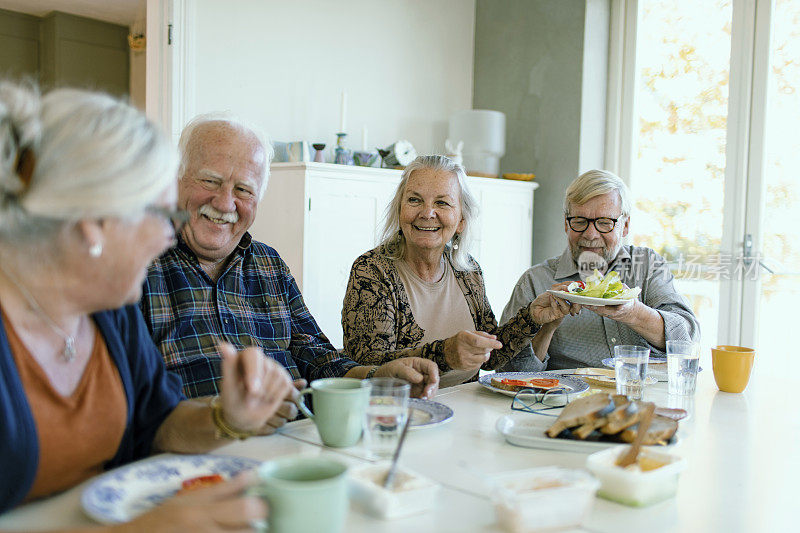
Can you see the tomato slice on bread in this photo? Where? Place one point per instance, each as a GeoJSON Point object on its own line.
{"type": "Point", "coordinates": [539, 383]}
{"type": "Point", "coordinates": [200, 482]}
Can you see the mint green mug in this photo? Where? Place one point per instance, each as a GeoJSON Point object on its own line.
{"type": "Point", "coordinates": [305, 494]}
{"type": "Point", "coordinates": [339, 408]}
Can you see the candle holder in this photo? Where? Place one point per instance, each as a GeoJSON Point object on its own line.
{"type": "Point", "coordinates": [343, 156]}
{"type": "Point", "coordinates": [319, 156]}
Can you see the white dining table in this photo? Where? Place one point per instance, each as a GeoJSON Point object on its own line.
{"type": "Point", "coordinates": [742, 465]}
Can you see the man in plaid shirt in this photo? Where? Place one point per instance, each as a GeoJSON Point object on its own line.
{"type": "Point", "coordinates": [218, 284]}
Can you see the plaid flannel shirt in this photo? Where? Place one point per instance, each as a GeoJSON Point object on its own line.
{"type": "Point", "coordinates": [255, 302]}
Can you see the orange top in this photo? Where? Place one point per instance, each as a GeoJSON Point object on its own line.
{"type": "Point", "coordinates": [77, 434]}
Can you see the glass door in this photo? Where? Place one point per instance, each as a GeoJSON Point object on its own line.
{"type": "Point", "coordinates": [715, 159]}
{"type": "Point", "coordinates": [679, 154]}
{"type": "Point", "coordinates": [771, 273]}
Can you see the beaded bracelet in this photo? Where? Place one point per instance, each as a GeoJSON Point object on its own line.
{"type": "Point", "coordinates": [222, 429]}
{"type": "Point", "coordinates": [371, 372]}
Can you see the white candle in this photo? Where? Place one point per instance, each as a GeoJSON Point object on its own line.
{"type": "Point", "coordinates": [342, 122]}
{"type": "Point", "coordinates": [364, 138]}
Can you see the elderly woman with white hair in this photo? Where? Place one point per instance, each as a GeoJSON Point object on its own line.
{"type": "Point", "coordinates": [420, 293]}
{"type": "Point", "coordinates": [87, 196]}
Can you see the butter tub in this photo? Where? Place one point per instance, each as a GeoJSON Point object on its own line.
{"type": "Point", "coordinates": [410, 494]}
{"type": "Point", "coordinates": [652, 479]}
{"type": "Point", "coordinates": [542, 499]}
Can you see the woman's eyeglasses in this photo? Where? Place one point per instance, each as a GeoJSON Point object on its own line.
{"type": "Point", "coordinates": [536, 401]}
{"type": "Point", "coordinates": [176, 217]}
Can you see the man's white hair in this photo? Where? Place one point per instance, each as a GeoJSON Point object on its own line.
{"type": "Point", "coordinates": [595, 183]}
{"type": "Point", "coordinates": [235, 123]}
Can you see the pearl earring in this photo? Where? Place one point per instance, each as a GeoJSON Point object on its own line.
{"type": "Point", "coordinates": [96, 250]}
{"type": "Point", "coordinates": [456, 238]}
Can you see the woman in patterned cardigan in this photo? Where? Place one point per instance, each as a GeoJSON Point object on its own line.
{"type": "Point", "coordinates": [420, 293]}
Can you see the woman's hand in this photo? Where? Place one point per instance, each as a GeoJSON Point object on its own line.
{"type": "Point", "coordinates": [548, 308]}
{"type": "Point", "coordinates": [468, 350]}
{"type": "Point", "coordinates": [255, 390]}
{"type": "Point", "coordinates": [223, 507]}
{"type": "Point", "coordinates": [422, 374]}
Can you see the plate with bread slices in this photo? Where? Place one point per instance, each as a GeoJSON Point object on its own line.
{"type": "Point", "coordinates": [509, 383]}
{"type": "Point", "coordinates": [602, 377]}
{"type": "Point", "coordinates": [591, 423]}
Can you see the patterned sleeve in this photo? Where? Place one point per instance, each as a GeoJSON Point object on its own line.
{"type": "Point", "coordinates": [311, 350]}
{"type": "Point", "coordinates": [515, 334]}
{"type": "Point", "coordinates": [371, 318]}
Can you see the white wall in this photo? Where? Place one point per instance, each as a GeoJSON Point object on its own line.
{"type": "Point", "coordinates": [406, 66]}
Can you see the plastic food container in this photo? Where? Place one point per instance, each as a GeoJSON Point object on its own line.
{"type": "Point", "coordinates": [411, 493]}
{"type": "Point", "coordinates": [637, 485]}
{"type": "Point", "coordinates": [541, 499]}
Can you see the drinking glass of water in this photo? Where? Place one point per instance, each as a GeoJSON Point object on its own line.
{"type": "Point", "coordinates": [630, 370]}
{"type": "Point", "coordinates": [683, 358]}
{"type": "Point", "coordinates": [386, 415]}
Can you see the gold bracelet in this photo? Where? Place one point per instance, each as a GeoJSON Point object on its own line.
{"type": "Point", "coordinates": [222, 429]}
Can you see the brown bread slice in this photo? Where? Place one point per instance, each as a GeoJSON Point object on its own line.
{"type": "Point", "coordinates": [623, 418]}
{"type": "Point", "coordinates": [620, 404]}
{"type": "Point", "coordinates": [498, 384]}
{"type": "Point", "coordinates": [581, 411]}
{"type": "Point", "coordinates": [660, 431]}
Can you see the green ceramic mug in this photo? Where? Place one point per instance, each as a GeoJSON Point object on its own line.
{"type": "Point", "coordinates": [339, 408]}
{"type": "Point", "coordinates": [305, 494]}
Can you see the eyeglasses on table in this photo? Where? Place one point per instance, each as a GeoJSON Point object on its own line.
{"type": "Point", "coordinates": [528, 399]}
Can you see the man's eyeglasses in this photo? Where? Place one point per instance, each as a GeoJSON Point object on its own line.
{"type": "Point", "coordinates": [176, 217]}
{"type": "Point", "coordinates": [602, 224]}
{"type": "Point", "coordinates": [534, 401]}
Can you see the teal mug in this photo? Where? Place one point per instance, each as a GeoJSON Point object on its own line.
{"type": "Point", "coordinates": [305, 494]}
{"type": "Point", "coordinates": [340, 405]}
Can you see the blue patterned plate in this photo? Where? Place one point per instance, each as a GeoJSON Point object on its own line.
{"type": "Point", "coordinates": [573, 386]}
{"type": "Point", "coordinates": [427, 414]}
{"type": "Point", "coordinates": [124, 493]}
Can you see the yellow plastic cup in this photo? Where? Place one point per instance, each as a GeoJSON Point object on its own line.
{"type": "Point", "coordinates": [732, 366]}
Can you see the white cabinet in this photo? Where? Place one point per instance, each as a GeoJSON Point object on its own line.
{"type": "Point", "coordinates": [321, 216]}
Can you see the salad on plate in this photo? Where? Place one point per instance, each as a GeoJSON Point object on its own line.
{"type": "Point", "coordinates": [599, 286]}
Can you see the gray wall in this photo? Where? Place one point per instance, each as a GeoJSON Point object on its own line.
{"type": "Point", "coordinates": [87, 53]}
{"type": "Point", "coordinates": [534, 59]}
{"type": "Point", "coordinates": [19, 45]}
{"type": "Point", "coordinates": [64, 50]}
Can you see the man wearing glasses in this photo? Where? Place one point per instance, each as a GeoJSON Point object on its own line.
{"type": "Point", "coordinates": [596, 219]}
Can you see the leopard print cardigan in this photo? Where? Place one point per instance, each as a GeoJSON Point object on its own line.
{"type": "Point", "coordinates": [379, 326]}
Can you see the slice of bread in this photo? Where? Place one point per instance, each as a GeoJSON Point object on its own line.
{"type": "Point", "coordinates": [498, 384]}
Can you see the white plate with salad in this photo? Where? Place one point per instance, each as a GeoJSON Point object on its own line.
{"type": "Point", "coordinates": [598, 290]}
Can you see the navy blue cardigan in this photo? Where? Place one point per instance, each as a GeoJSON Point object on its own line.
{"type": "Point", "coordinates": [151, 391]}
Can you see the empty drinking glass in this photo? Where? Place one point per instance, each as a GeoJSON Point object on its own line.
{"type": "Point", "coordinates": [386, 415]}
{"type": "Point", "coordinates": [683, 359]}
{"type": "Point", "coordinates": [630, 370]}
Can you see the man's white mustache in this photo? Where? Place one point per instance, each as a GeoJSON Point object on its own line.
{"type": "Point", "coordinates": [591, 244]}
{"type": "Point", "coordinates": [210, 212]}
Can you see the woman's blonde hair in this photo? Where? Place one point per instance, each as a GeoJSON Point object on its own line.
{"type": "Point", "coordinates": [595, 183]}
{"type": "Point", "coordinates": [393, 243]}
{"type": "Point", "coordinates": [91, 156]}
